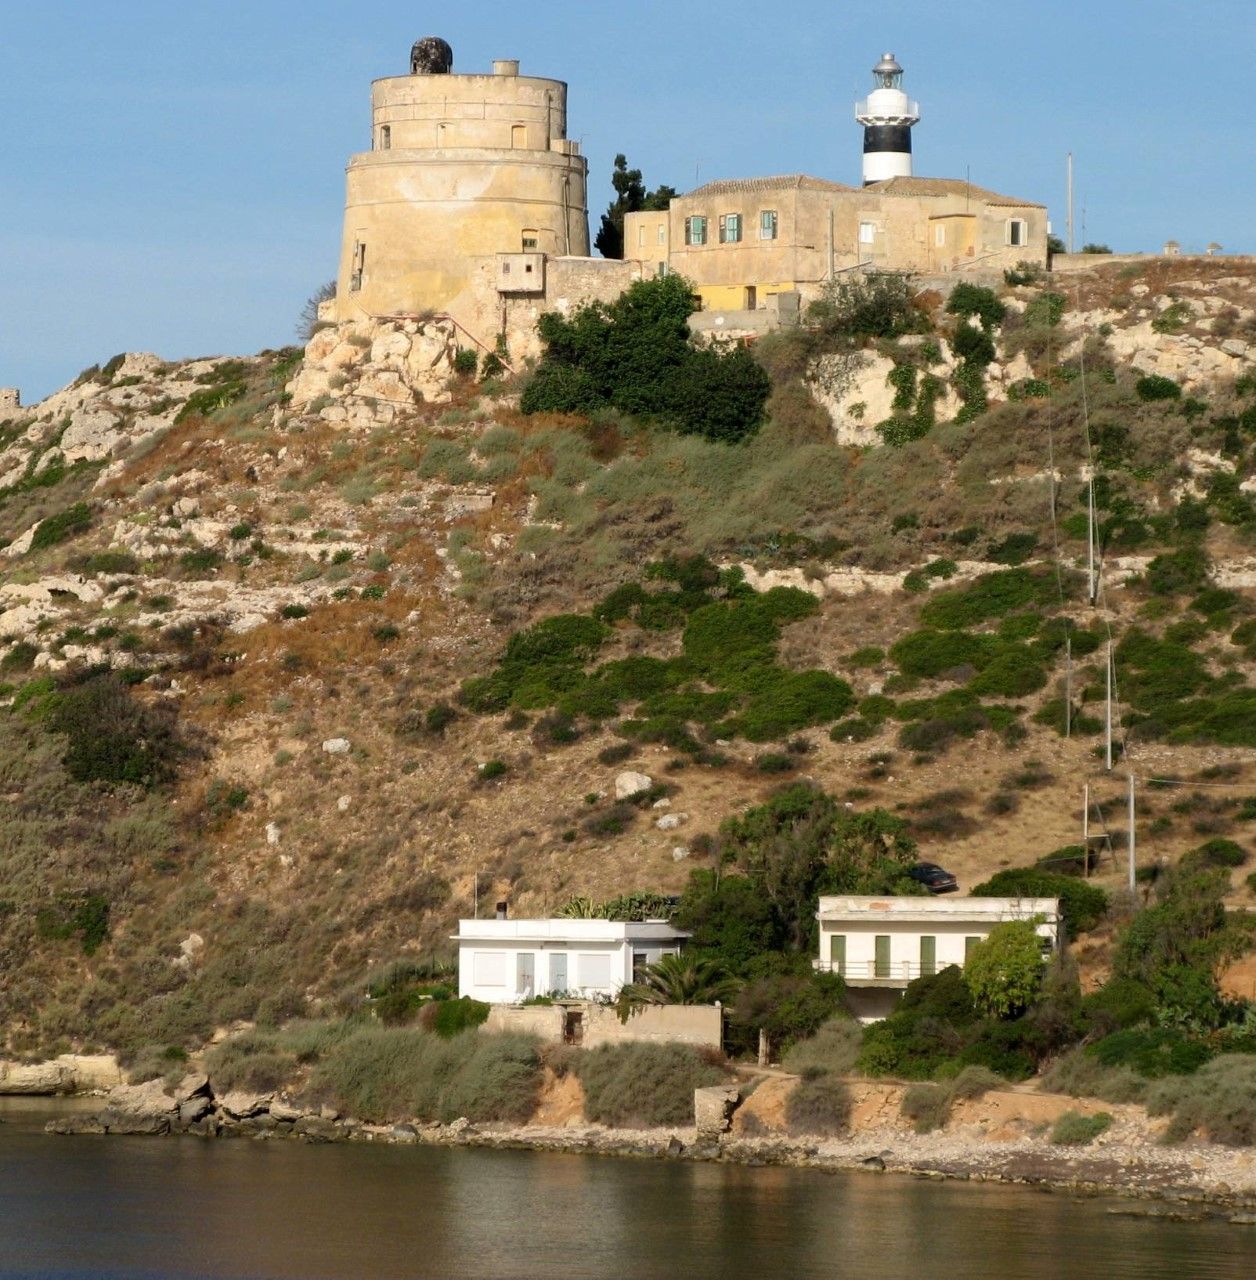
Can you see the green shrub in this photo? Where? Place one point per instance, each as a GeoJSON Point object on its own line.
{"type": "Point", "coordinates": [1216, 853]}
{"type": "Point", "coordinates": [493, 769]}
{"type": "Point", "coordinates": [294, 612]}
{"type": "Point", "coordinates": [636, 354]}
{"type": "Point", "coordinates": [112, 737]}
{"type": "Point", "coordinates": [1082, 905]}
{"type": "Point", "coordinates": [833, 1050]}
{"type": "Point", "coordinates": [466, 362]}
{"type": "Point", "coordinates": [1080, 1075]}
{"type": "Point", "coordinates": [1219, 1099]}
{"type": "Point", "coordinates": [19, 657]}
{"type": "Point", "coordinates": [875, 305]}
{"type": "Point", "coordinates": [927, 1106]}
{"type": "Point", "coordinates": [1154, 387]}
{"type": "Point", "coordinates": [1151, 1052]}
{"type": "Point", "coordinates": [991, 596]}
{"type": "Point", "coordinates": [452, 1017]}
{"type": "Point", "coordinates": [819, 1106]}
{"type": "Point", "coordinates": [643, 1086]}
{"type": "Point", "coordinates": [388, 1074]}
{"type": "Point", "coordinates": [70, 523]}
{"type": "Point", "coordinates": [1073, 1129]}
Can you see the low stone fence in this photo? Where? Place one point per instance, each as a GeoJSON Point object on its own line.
{"type": "Point", "coordinates": [698, 1025]}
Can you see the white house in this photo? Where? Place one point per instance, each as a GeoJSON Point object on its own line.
{"type": "Point", "coordinates": [506, 961]}
{"type": "Point", "coordinates": [879, 945]}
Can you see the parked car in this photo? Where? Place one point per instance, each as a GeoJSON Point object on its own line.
{"type": "Point", "coordinates": [933, 877]}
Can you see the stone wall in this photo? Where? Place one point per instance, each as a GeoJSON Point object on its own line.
{"type": "Point", "coordinates": [10, 400]}
{"type": "Point", "coordinates": [698, 1025]}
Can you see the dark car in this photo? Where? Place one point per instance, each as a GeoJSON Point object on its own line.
{"type": "Point", "coordinates": [933, 877]}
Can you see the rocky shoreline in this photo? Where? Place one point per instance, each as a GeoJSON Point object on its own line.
{"type": "Point", "coordinates": [1194, 1181]}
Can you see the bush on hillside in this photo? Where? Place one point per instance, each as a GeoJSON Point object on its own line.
{"type": "Point", "coordinates": [1152, 1052]}
{"type": "Point", "coordinates": [819, 1106]}
{"type": "Point", "coordinates": [636, 355]}
{"type": "Point", "coordinates": [1073, 1129]}
{"type": "Point", "coordinates": [67, 524]}
{"type": "Point", "coordinates": [642, 1086]}
{"type": "Point", "coordinates": [1220, 1100]}
{"type": "Point", "coordinates": [113, 737]}
{"type": "Point", "coordinates": [1082, 905]}
{"type": "Point", "coordinates": [833, 1050]}
{"type": "Point", "coordinates": [875, 305]}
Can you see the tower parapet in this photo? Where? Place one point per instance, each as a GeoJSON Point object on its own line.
{"type": "Point", "coordinates": [888, 116]}
{"type": "Point", "coordinates": [10, 400]}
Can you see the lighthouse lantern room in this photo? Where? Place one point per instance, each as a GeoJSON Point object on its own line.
{"type": "Point", "coordinates": [887, 115]}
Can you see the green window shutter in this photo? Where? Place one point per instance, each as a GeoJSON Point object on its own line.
{"type": "Point", "coordinates": [969, 944]}
{"type": "Point", "coordinates": [883, 955]}
{"type": "Point", "coordinates": [837, 953]}
{"type": "Point", "coordinates": [928, 957]}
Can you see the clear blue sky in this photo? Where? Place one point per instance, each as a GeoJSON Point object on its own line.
{"type": "Point", "coordinates": [171, 175]}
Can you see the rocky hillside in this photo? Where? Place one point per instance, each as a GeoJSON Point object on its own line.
{"type": "Point", "coordinates": [239, 599]}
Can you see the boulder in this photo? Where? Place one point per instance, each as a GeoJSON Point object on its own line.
{"type": "Point", "coordinates": [316, 1129]}
{"type": "Point", "coordinates": [194, 1109]}
{"type": "Point", "coordinates": [72, 1126]}
{"type": "Point", "coordinates": [285, 1112]}
{"type": "Point", "coordinates": [240, 1105]}
{"type": "Point", "coordinates": [713, 1109]}
{"type": "Point", "coordinates": [337, 746]}
{"type": "Point", "coordinates": [629, 784]}
{"type": "Point", "coordinates": [193, 1085]}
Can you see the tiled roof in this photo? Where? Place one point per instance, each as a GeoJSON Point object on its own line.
{"type": "Point", "coordinates": [946, 187]}
{"type": "Point", "coordinates": [794, 181]}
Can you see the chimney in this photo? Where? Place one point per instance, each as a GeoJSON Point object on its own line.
{"type": "Point", "coordinates": [502, 910]}
{"type": "Point", "coordinates": [506, 67]}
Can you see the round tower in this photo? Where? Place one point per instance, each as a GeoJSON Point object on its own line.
{"type": "Point", "coordinates": [887, 115]}
{"type": "Point", "coordinates": [461, 168]}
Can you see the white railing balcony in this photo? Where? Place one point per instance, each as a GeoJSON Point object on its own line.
{"type": "Point", "coordinates": [897, 973]}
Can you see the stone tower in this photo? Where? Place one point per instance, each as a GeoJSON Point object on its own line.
{"type": "Point", "coordinates": [462, 169]}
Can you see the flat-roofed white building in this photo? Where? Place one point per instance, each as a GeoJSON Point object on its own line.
{"type": "Point", "coordinates": [879, 945]}
{"type": "Point", "coordinates": [506, 961]}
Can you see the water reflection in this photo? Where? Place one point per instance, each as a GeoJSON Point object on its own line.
{"type": "Point", "coordinates": [181, 1208]}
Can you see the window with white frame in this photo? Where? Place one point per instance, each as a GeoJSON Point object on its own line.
{"type": "Point", "coordinates": [867, 233]}
{"type": "Point", "coordinates": [768, 224]}
{"type": "Point", "coordinates": [1017, 232]}
{"type": "Point", "coordinates": [730, 228]}
{"type": "Point", "coordinates": [696, 230]}
{"type": "Point", "coordinates": [385, 137]}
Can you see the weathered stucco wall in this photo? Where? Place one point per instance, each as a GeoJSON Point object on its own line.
{"type": "Point", "coordinates": [698, 1025]}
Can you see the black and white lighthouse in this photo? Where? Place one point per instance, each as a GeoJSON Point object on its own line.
{"type": "Point", "coordinates": [887, 115]}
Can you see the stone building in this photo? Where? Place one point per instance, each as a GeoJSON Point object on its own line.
{"type": "Point", "coordinates": [749, 243]}
{"type": "Point", "coordinates": [472, 202]}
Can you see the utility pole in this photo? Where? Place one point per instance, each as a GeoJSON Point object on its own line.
{"type": "Point", "coordinates": [1091, 575]}
{"type": "Point", "coordinates": [475, 897]}
{"type": "Point", "coordinates": [1068, 686]}
{"type": "Point", "coordinates": [1070, 202]}
{"type": "Point", "coordinates": [1086, 828]}
{"type": "Point", "coordinates": [1130, 838]}
{"type": "Point", "coordinates": [1107, 716]}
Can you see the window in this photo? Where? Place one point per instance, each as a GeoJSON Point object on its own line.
{"type": "Point", "coordinates": [867, 233]}
{"type": "Point", "coordinates": [730, 228]}
{"type": "Point", "coordinates": [768, 223]}
{"type": "Point", "coordinates": [385, 137]}
{"type": "Point", "coordinates": [531, 241]}
{"type": "Point", "coordinates": [882, 954]}
{"type": "Point", "coordinates": [640, 960]}
{"type": "Point", "coordinates": [969, 944]}
{"type": "Point", "coordinates": [519, 136]}
{"type": "Point", "coordinates": [837, 953]}
{"type": "Point", "coordinates": [939, 235]}
{"type": "Point", "coordinates": [928, 956]}
{"type": "Point", "coordinates": [662, 271]}
{"type": "Point", "coordinates": [1017, 231]}
{"type": "Point", "coordinates": [358, 271]}
{"type": "Point", "coordinates": [594, 972]}
{"type": "Point", "coordinates": [662, 233]}
{"type": "Point", "coordinates": [640, 237]}
{"type": "Point", "coordinates": [695, 230]}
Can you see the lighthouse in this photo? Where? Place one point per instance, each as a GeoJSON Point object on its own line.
{"type": "Point", "coordinates": [887, 115]}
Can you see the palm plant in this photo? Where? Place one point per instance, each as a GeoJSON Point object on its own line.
{"type": "Point", "coordinates": [678, 980]}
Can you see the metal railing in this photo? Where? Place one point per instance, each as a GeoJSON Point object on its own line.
{"type": "Point", "coordinates": [865, 970]}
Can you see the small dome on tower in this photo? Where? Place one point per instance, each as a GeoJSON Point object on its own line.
{"type": "Point", "coordinates": [431, 56]}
